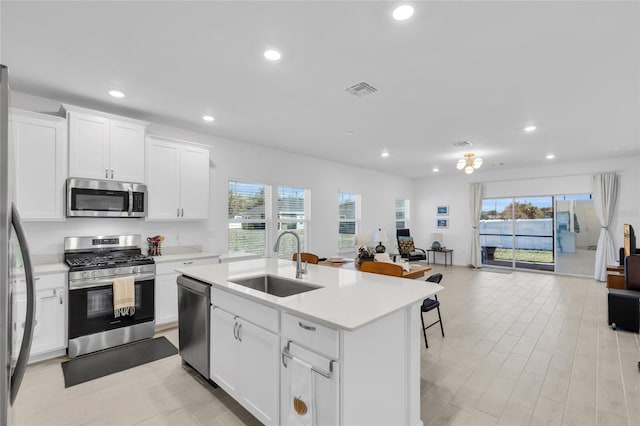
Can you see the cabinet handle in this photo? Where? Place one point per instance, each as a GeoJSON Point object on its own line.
{"type": "Point", "coordinates": [178, 213]}
{"type": "Point", "coordinates": [106, 173]}
{"type": "Point", "coordinates": [111, 173]}
{"type": "Point", "coordinates": [61, 299]}
{"type": "Point", "coordinates": [306, 327]}
{"type": "Point", "coordinates": [239, 329]}
{"type": "Point", "coordinates": [181, 212]}
{"type": "Point", "coordinates": [235, 328]}
{"type": "Point", "coordinates": [36, 278]}
{"type": "Point", "coordinates": [187, 263]}
{"type": "Point", "coordinates": [49, 297]}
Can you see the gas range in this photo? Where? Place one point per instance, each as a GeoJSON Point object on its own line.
{"type": "Point", "coordinates": [97, 260]}
{"type": "Point", "coordinates": [94, 264]}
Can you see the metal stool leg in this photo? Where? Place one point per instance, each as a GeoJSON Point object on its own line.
{"type": "Point", "coordinates": [424, 330]}
{"type": "Point", "coordinates": [440, 320]}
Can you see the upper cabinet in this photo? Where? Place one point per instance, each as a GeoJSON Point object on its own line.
{"type": "Point", "coordinates": [103, 146]}
{"type": "Point", "coordinates": [41, 162]}
{"type": "Point", "coordinates": [177, 180]}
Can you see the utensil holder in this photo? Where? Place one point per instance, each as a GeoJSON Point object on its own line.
{"type": "Point", "coordinates": [155, 249]}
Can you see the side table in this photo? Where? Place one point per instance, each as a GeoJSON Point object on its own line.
{"type": "Point", "coordinates": [446, 252]}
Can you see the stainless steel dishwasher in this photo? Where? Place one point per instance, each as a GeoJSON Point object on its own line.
{"type": "Point", "coordinates": [194, 315]}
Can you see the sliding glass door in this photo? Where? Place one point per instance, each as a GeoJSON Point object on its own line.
{"type": "Point", "coordinates": [577, 232]}
{"type": "Point", "coordinates": [518, 232]}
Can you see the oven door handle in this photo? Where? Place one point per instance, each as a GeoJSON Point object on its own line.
{"type": "Point", "coordinates": [130, 200]}
{"type": "Point", "coordinates": [102, 282]}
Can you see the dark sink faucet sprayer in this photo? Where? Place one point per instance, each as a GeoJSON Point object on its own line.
{"type": "Point", "coordinates": [276, 247]}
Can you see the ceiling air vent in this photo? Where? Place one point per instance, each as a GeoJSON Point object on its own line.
{"type": "Point", "coordinates": [462, 144]}
{"type": "Point", "coordinates": [361, 89]}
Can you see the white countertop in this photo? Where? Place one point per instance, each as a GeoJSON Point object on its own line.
{"type": "Point", "coordinates": [184, 256]}
{"type": "Point", "coordinates": [349, 299]}
{"type": "Point", "coordinates": [43, 269]}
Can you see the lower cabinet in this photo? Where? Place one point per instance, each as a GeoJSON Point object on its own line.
{"type": "Point", "coordinates": [247, 367]}
{"type": "Point", "coordinates": [166, 291]}
{"type": "Point", "coordinates": [50, 328]}
{"type": "Point", "coordinates": [276, 364]}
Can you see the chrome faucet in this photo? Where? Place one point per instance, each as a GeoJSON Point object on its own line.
{"type": "Point", "coordinates": [276, 247]}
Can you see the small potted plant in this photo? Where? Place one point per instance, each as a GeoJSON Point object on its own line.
{"type": "Point", "coordinates": [365, 254]}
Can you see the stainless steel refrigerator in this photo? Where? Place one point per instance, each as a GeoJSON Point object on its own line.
{"type": "Point", "coordinates": [13, 247]}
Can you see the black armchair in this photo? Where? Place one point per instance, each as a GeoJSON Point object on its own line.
{"type": "Point", "coordinates": [407, 248]}
{"type": "Point", "coordinates": [624, 305]}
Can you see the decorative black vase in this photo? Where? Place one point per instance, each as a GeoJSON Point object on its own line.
{"type": "Point", "coordinates": [361, 259]}
{"type": "Point", "coordinates": [380, 248]}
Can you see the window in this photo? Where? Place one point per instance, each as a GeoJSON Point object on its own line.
{"type": "Point", "coordinates": [518, 232]}
{"type": "Point", "coordinates": [402, 213]}
{"type": "Point", "coordinates": [349, 216]}
{"type": "Point", "coordinates": [251, 213]}
{"type": "Point", "coordinates": [292, 207]}
{"type": "Point", "coordinates": [248, 216]}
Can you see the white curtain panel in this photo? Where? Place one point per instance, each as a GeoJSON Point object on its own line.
{"type": "Point", "coordinates": [605, 196]}
{"type": "Point", "coordinates": [477, 191]}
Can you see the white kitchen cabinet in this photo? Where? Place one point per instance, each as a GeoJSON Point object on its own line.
{"type": "Point", "coordinates": [166, 290]}
{"type": "Point", "coordinates": [177, 180]}
{"type": "Point", "coordinates": [245, 363]}
{"type": "Point", "coordinates": [41, 164]}
{"type": "Point", "coordinates": [103, 146]}
{"type": "Point", "coordinates": [50, 327]}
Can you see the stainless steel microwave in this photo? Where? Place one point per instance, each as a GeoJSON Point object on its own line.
{"type": "Point", "coordinates": [105, 198]}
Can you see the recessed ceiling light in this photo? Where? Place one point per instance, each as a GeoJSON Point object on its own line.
{"type": "Point", "coordinates": [435, 169]}
{"type": "Point", "coordinates": [403, 12]}
{"type": "Point", "coordinates": [349, 132]}
{"type": "Point", "coordinates": [550, 156]}
{"type": "Point", "coordinates": [116, 93]}
{"type": "Point", "coordinates": [208, 118]}
{"type": "Point", "coordinates": [530, 129]}
{"type": "Point", "coordinates": [272, 55]}
{"type": "Point", "coordinates": [385, 154]}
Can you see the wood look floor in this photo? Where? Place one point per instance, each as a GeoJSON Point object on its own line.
{"type": "Point", "coordinates": [520, 349]}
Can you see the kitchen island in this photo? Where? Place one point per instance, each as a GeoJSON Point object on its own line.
{"type": "Point", "coordinates": [349, 349]}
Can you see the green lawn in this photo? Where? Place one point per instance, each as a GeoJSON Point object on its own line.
{"type": "Point", "coordinates": [537, 256]}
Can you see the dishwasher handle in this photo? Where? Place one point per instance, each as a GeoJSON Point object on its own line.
{"type": "Point", "coordinates": [193, 285]}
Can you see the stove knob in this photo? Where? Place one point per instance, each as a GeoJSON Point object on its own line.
{"type": "Point", "coordinates": [137, 269]}
{"type": "Point", "coordinates": [116, 271]}
{"type": "Point", "coordinates": [94, 274]}
{"type": "Point", "coordinates": [85, 275]}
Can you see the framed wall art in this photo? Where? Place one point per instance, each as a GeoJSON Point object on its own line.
{"type": "Point", "coordinates": [442, 223]}
{"type": "Point", "coordinates": [442, 210]}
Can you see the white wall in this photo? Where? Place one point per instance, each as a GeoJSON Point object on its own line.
{"type": "Point", "coordinates": [247, 162]}
{"type": "Point", "coordinates": [236, 160]}
{"type": "Point", "coordinates": [573, 178]}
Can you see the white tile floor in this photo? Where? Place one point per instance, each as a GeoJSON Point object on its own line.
{"type": "Point", "coordinates": [520, 349]}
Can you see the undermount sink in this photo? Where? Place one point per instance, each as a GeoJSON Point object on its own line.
{"type": "Point", "coordinates": [275, 285]}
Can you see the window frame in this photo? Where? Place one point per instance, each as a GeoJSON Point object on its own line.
{"type": "Point", "coordinates": [267, 215]}
{"type": "Point", "coordinates": [406, 209]}
{"type": "Point", "coordinates": [277, 221]}
{"type": "Point", "coordinates": [357, 199]}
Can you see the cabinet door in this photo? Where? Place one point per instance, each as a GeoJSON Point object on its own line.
{"type": "Point", "coordinates": [194, 183]}
{"type": "Point", "coordinates": [49, 327]}
{"type": "Point", "coordinates": [225, 351]}
{"type": "Point", "coordinates": [163, 180]}
{"type": "Point", "coordinates": [166, 298]}
{"type": "Point", "coordinates": [88, 146]}
{"type": "Point", "coordinates": [41, 165]}
{"type": "Point", "coordinates": [49, 332]}
{"type": "Point", "coordinates": [260, 369]}
{"type": "Point", "coordinates": [126, 151]}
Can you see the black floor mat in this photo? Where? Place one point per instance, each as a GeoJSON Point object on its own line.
{"type": "Point", "coordinates": [109, 361]}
